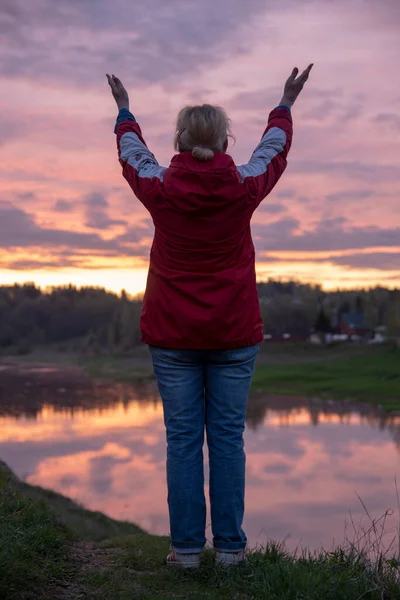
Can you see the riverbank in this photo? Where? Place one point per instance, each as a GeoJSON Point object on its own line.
{"type": "Point", "coordinates": [363, 373]}
{"type": "Point", "coordinates": [52, 548]}
{"type": "Point", "coordinates": [368, 374]}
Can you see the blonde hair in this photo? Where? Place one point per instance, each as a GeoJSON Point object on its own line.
{"type": "Point", "coordinates": [202, 130]}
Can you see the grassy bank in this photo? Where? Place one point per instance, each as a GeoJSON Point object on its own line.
{"type": "Point", "coordinates": [52, 548]}
{"type": "Point", "coordinates": [367, 373]}
{"type": "Point", "coordinates": [370, 374]}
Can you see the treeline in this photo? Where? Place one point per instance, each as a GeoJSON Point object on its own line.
{"type": "Point", "coordinates": [93, 319]}
{"type": "Point", "coordinates": [84, 319]}
{"type": "Point", "coordinates": [295, 307]}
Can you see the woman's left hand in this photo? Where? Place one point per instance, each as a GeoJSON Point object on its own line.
{"type": "Point", "coordinates": [118, 91]}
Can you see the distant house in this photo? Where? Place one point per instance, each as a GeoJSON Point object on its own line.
{"type": "Point", "coordinates": [345, 325]}
{"type": "Point", "coordinates": [350, 323]}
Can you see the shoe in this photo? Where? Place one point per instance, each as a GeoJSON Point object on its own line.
{"type": "Point", "coordinates": [228, 559]}
{"type": "Point", "coordinates": [185, 561]}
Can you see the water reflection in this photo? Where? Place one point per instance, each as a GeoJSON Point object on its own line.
{"type": "Point", "coordinates": [105, 447]}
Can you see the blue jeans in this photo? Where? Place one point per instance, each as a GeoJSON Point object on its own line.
{"type": "Point", "coordinates": [205, 389]}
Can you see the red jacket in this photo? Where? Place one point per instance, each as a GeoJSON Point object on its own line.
{"type": "Point", "coordinates": [201, 287]}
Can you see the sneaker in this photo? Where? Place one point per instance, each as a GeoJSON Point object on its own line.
{"type": "Point", "coordinates": [228, 559]}
{"type": "Point", "coordinates": [185, 561]}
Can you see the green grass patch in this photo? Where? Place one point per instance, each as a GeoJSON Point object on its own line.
{"type": "Point", "coordinates": [33, 545]}
{"type": "Point", "coordinates": [371, 375]}
{"type": "Point", "coordinates": [83, 524]}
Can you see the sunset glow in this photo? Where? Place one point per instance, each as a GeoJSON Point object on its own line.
{"type": "Point", "coordinates": [66, 214]}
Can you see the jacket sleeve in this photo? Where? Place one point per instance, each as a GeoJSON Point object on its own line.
{"type": "Point", "coordinates": [268, 161]}
{"type": "Point", "coordinates": [139, 166]}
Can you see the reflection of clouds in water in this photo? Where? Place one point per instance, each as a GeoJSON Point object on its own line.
{"type": "Point", "coordinates": [302, 479]}
{"type": "Point", "coordinates": [311, 502]}
{"type": "Point", "coordinates": [281, 441]}
{"type": "Point", "coordinates": [100, 471]}
{"type": "Point", "coordinates": [295, 483]}
{"type": "Point", "coordinates": [68, 481]}
{"type": "Point", "coordinates": [111, 479]}
{"type": "Point", "coordinates": [279, 468]}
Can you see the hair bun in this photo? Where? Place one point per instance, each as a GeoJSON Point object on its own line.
{"type": "Point", "coordinates": [202, 153]}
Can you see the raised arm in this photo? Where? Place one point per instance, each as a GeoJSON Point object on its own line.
{"type": "Point", "coordinates": [139, 166]}
{"type": "Point", "coordinates": [268, 160]}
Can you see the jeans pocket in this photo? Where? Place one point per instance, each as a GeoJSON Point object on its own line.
{"type": "Point", "coordinates": [243, 354]}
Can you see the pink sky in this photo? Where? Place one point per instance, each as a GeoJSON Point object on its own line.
{"type": "Point", "coordinates": [66, 214]}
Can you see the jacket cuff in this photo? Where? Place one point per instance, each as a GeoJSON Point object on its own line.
{"type": "Point", "coordinates": [124, 115]}
{"type": "Point", "coordinates": [282, 106]}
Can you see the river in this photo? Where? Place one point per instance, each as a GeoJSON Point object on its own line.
{"type": "Point", "coordinates": [308, 462]}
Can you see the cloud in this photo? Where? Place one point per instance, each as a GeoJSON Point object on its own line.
{"type": "Point", "coordinates": [10, 128]}
{"type": "Point", "coordinates": [321, 105]}
{"type": "Point", "coordinates": [352, 169]}
{"type": "Point", "coordinates": [273, 209]}
{"type": "Point", "coordinates": [391, 119]}
{"type": "Point", "coordinates": [327, 234]}
{"type": "Point", "coordinates": [265, 99]}
{"type": "Point", "coordinates": [286, 194]}
{"type": "Point", "coordinates": [30, 265]}
{"type": "Point", "coordinates": [339, 106]}
{"type": "Point", "coordinates": [322, 110]}
{"type": "Point", "coordinates": [63, 206]}
{"type": "Point", "coordinates": [73, 40]}
{"type": "Point", "coordinates": [36, 125]}
{"type": "Point", "coordinates": [354, 108]}
{"type": "Point", "coordinates": [273, 235]}
{"type": "Point", "coordinates": [385, 261]}
{"type": "Point", "coordinates": [26, 196]}
{"type": "Point", "coordinates": [349, 195]}
{"type": "Point", "coordinates": [100, 220]}
{"type": "Point", "coordinates": [326, 93]}
{"type": "Point", "coordinates": [382, 261]}
{"type": "Point", "coordinates": [18, 229]}
{"type": "Point", "coordinates": [96, 200]}
{"type": "Point", "coordinates": [262, 99]}
{"type": "Point", "coordinates": [96, 214]}
{"type": "Point", "coordinates": [30, 174]}
{"type": "Point", "coordinates": [136, 233]}
{"type": "Point", "coordinates": [385, 14]}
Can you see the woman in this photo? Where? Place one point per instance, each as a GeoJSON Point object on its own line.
{"type": "Point", "coordinates": [201, 316]}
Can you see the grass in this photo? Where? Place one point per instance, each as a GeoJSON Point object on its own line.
{"type": "Point", "coordinates": [367, 374]}
{"type": "Point", "coordinates": [50, 548]}
{"type": "Point", "coordinates": [33, 546]}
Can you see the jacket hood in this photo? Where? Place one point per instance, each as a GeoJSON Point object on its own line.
{"type": "Point", "coordinates": [199, 183]}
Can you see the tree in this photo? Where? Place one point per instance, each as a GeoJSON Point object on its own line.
{"type": "Point", "coordinates": [393, 320]}
{"type": "Point", "coordinates": [322, 324]}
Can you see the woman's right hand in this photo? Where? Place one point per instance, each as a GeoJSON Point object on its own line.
{"type": "Point", "coordinates": [118, 91]}
{"type": "Point", "coordinates": [294, 85]}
